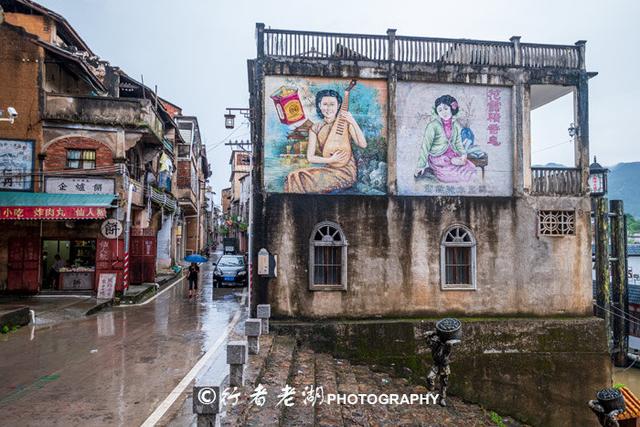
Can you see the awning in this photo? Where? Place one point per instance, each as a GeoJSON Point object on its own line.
{"type": "Point", "coordinates": [20, 205]}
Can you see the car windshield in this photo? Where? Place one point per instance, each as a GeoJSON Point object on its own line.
{"type": "Point", "coordinates": [231, 261]}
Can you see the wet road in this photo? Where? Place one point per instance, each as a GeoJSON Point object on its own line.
{"type": "Point", "coordinates": [116, 367]}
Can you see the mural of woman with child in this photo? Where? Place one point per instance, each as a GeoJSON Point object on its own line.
{"type": "Point", "coordinates": [330, 146]}
{"type": "Point", "coordinates": [445, 145]}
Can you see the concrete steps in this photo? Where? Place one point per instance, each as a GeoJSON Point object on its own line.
{"type": "Point", "coordinates": [303, 379]}
{"type": "Point", "coordinates": [282, 363]}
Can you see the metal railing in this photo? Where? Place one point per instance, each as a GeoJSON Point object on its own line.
{"type": "Point", "coordinates": [418, 50]}
{"type": "Point", "coordinates": [556, 181]}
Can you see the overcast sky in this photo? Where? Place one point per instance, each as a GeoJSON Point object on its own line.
{"type": "Point", "coordinates": [196, 52]}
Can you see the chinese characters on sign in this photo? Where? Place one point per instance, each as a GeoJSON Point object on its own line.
{"type": "Point", "coordinates": [67, 185]}
{"type": "Point", "coordinates": [16, 165]}
{"type": "Point", "coordinates": [111, 228]}
{"type": "Point", "coordinates": [493, 116]}
{"type": "Point", "coordinates": [106, 285]}
{"type": "Point", "coordinates": [52, 212]}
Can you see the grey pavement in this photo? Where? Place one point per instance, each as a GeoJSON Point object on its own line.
{"type": "Point", "coordinates": [116, 367]}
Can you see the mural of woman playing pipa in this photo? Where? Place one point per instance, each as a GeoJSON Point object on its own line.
{"type": "Point", "coordinates": [330, 147]}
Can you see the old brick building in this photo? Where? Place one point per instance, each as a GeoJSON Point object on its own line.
{"type": "Point", "coordinates": [88, 138]}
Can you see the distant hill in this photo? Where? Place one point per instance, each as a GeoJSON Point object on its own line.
{"type": "Point", "coordinates": [624, 184]}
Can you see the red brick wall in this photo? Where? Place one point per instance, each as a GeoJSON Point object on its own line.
{"type": "Point", "coordinates": [184, 174]}
{"type": "Point", "coordinates": [57, 152]}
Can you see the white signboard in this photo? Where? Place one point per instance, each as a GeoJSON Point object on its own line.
{"type": "Point", "coordinates": [106, 285]}
{"type": "Point", "coordinates": [68, 185]}
{"type": "Point", "coordinates": [111, 228]}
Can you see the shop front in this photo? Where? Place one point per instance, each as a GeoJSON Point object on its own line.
{"type": "Point", "coordinates": [53, 242]}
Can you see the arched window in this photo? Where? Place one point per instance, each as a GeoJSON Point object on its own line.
{"type": "Point", "coordinates": [327, 258]}
{"type": "Point", "coordinates": [458, 259]}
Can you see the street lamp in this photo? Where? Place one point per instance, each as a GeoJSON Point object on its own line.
{"type": "Point", "coordinates": [229, 118]}
{"type": "Point", "coordinates": [597, 179]}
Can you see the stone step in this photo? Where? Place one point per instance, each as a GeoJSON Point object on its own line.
{"type": "Point", "coordinates": [303, 380]}
{"type": "Point", "coordinates": [274, 378]}
{"type": "Point", "coordinates": [352, 414]}
{"type": "Point", "coordinates": [327, 415]}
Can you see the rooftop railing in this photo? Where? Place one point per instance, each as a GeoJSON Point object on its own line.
{"type": "Point", "coordinates": [556, 181]}
{"type": "Point", "coordinates": [416, 50]}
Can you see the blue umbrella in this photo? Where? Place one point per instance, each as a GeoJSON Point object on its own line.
{"type": "Point", "coordinates": [195, 258]}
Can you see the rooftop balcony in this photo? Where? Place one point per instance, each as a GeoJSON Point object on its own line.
{"type": "Point", "coordinates": [127, 112]}
{"type": "Point", "coordinates": [274, 43]}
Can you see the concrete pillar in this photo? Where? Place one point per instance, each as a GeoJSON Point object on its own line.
{"type": "Point", "coordinates": [206, 405]}
{"type": "Point", "coordinates": [263, 312]}
{"type": "Point", "coordinates": [517, 50]}
{"type": "Point", "coordinates": [392, 84]}
{"type": "Point", "coordinates": [236, 358]}
{"type": "Point", "coordinates": [581, 119]}
{"type": "Point", "coordinates": [253, 330]}
{"type": "Point", "coordinates": [520, 121]}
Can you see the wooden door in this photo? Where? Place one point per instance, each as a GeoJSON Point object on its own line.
{"type": "Point", "coordinates": [24, 265]}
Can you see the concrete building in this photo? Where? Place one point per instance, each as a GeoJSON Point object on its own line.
{"type": "Point", "coordinates": [411, 195]}
{"type": "Point", "coordinates": [87, 135]}
{"type": "Point", "coordinates": [395, 228]}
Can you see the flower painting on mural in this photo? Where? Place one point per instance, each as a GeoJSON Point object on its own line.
{"type": "Point", "coordinates": [460, 136]}
{"type": "Point", "coordinates": [325, 136]}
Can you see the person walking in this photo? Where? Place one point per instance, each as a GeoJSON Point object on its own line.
{"type": "Point", "coordinates": [193, 278]}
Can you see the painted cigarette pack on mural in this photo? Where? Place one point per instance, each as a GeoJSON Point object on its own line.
{"type": "Point", "coordinates": [325, 136]}
{"type": "Point", "coordinates": [454, 140]}
{"type": "Point", "coordinates": [288, 106]}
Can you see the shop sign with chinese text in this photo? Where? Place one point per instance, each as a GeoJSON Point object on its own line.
{"type": "Point", "coordinates": [111, 228]}
{"type": "Point", "coordinates": [52, 212]}
{"type": "Point", "coordinates": [73, 185]}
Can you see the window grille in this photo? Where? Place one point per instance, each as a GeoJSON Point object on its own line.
{"type": "Point", "coordinates": [327, 258]}
{"type": "Point", "coordinates": [81, 159]}
{"type": "Point", "coordinates": [458, 259]}
{"type": "Point", "coordinates": [556, 223]}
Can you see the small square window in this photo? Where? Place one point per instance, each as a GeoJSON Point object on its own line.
{"type": "Point", "coordinates": [556, 223]}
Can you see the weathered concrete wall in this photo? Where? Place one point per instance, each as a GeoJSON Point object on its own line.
{"type": "Point", "coordinates": [394, 256]}
{"type": "Point", "coordinates": [541, 372]}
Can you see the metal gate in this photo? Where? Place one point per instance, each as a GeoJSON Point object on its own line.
{"type": "Point", "coordinates": [142, 257]}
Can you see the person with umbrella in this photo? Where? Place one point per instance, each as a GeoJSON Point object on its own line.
{"type": "Point", "coordinates": [193, 272]}
{"type": "Point", "coordinates": [193, 278]}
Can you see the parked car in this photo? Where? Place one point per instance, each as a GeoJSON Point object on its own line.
{"type": "Point", "coordinates": [230, 269]}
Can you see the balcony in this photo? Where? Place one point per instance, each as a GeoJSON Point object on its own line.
{"type": "Point", "coordinates": [274, 43]}
{"type": "Point", "coordinates": [100, 110]}
{"type": "Point", "coordinates": [556, 181]}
